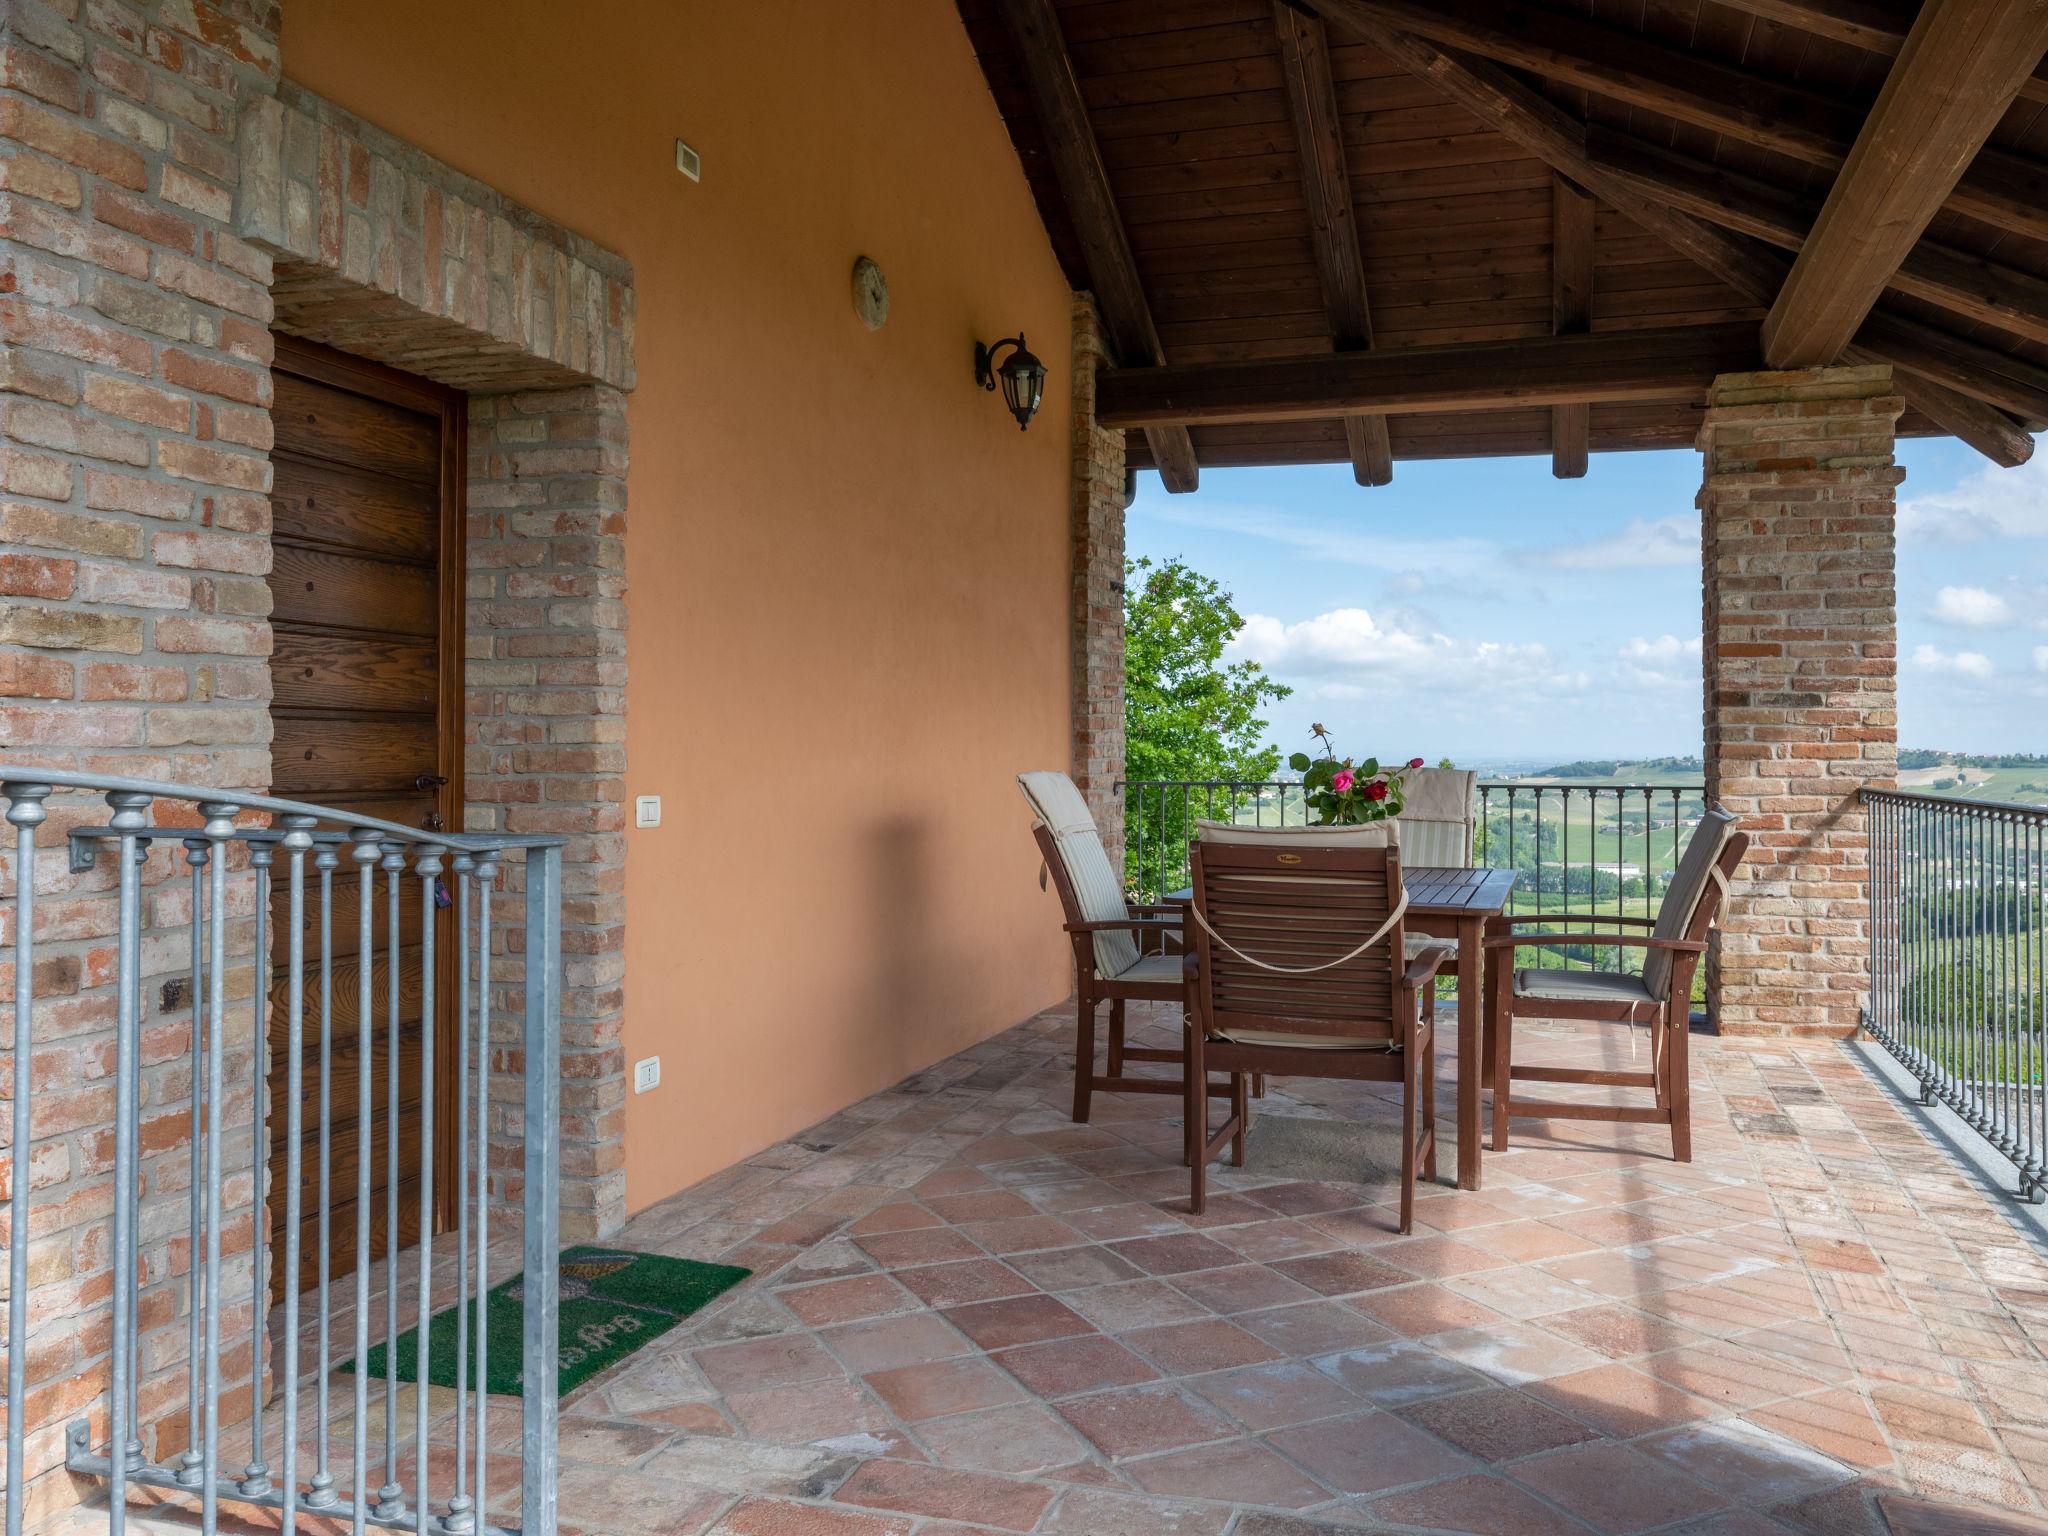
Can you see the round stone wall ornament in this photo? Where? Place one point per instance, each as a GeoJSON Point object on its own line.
{"type": "Point", "coordinates": [870, 293]}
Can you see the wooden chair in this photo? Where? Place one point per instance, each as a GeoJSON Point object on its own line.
{"type": "Point", "coordinates": [1110, 964]}
{"type": "Point", "coordinates": [1661, 997]}
{"type": "Point", "coordinates": [1296, 967]}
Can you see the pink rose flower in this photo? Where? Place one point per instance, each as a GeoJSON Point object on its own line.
{"type": "Point", "coordinates": [1342, 780]}
{"type": "Point", "coordinates": [1414, 762]}
{"type": "Point", "coordinates": [1376, 790]}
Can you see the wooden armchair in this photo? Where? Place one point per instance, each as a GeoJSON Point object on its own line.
{"type": "Point", "coordinates": [1661, 997]}
{"type": "Point", "coordinates": [1296, 967]}
{"type": "Point", "coordinates": [1110, 964]}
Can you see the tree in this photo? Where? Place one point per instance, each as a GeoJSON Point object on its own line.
{"type": "Point", "coordinates": [1188, 715]}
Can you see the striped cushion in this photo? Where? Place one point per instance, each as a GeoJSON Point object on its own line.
{"type": "Point", "coordinates": [1682, 895]}
{"type": "Point", "coordinates": [1436, 817]}
{"type": "Point", "coordinates": [1096, 886]}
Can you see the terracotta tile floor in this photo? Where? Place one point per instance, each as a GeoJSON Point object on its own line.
{"type": "Point", "coordinates": [970, 1315]}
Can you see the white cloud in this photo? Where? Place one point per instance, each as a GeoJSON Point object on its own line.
{"type": "Point", "coordinates": [1970, 608]}
{"type": "Point", "coordinates": [1348, 649]}
{"type": "Point", "coordinates": [1972, 664]}
{"type": "Point", "coordinates": [1991, 503]}
{"type": "Point", "coordinates": [2041, 658]}
{"type": "Point", "coordinates": [1670, 540]}
{"type": "Point", "coordinates": [1665, 662]}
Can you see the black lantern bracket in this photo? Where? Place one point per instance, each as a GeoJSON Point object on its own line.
{"type": "Point", "coordinates": [1020, 375]}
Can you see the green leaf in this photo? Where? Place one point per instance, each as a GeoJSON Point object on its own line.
{"type": "Point", "coordinates": [1370, 767]}
{"type": "Point", "coordinates": [1299, 762]}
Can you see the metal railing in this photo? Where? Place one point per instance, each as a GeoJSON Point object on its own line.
{"type": "Point", "coordinates": [165, 1255]}
{"type": "Point", "coordinates": [1578, 847]}
{"type": "Point", "coordinates": [1959, 962]}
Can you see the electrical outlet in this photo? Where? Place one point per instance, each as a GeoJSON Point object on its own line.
{"type": "Point", "coordinates": [646, 1074]}
{"type": "Point", "coordinates": [647, 810]}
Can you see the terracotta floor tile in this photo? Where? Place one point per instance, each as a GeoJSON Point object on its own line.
{"type": "Point", "coordinates": [1302, 1199]}
{"type": "Point", "coordinates": [1175, 1255]}
{"type": "Point", "coordinates": [1185, 1349]}
{"type": "Point", "coordinates": [1341, 1274]}
{"type": "Point", "coordinates": [982, 1205]}
{"type": "Point", "coordinates": [1748, 1463]}
{"type": "Point", "coordinates": [1021, 1234]}
{"type": "Point", "coordinates": [1241, 1288]}
{"type": "Point", "coordinates": [767, 1362]}
{"type": "Point", "coordinates": [1086, 1512]}
{"type": "Point", "coordinates": [847, 1301]}
{"type": "Point", "coordinates": [902, 1216]}
{"type": "Point", "coordinates": [1134, 1304]}
{"type": "Point", "coordinates": [1265, 1241]}
{"type": "Point", "coordinates": [1018, 1320]}
{"type": "Point", "coordinates": [1067, 1366]}
{"type": "Point", "coordinates": [1920, 1517]}
{"type": "Point", "coordinates": [1727, 1373]}
{"type": "Point", "coordinates": [1619, 1332]}
{"type": "Point", "coordinates": [922, 1245]}
{"type": "Point", "coordinates": [1497, 1423]}
{"type": "Point", "coordinates": [1836, 1422]}
{"type": "Point", "coordinates": [1615, 1488]}
{"type": "Point", "coordinates": [1241, 1470]}
{"type": "Point", "coordinates": [1620, 1401]}
{"type": "Point", "coordinates": [1139, 1421]}
{"type": "Point", "coordinates": [1416, 1310]}
{"type": "Point", "coordinates": [1515, 1353]}
{"type": "Point", "coordinates": [1133, 1219]}
{"type": "Point", "coordinates": [1437, 1258]}
{"type": "Point", "coordinates": [942, 1387]}
{"type": "Point", "coordinates": [1003, 1503]}
{"type": "Point", "coordinates": [1068, 1269]}
{"type": "Point", "coordinates": [943, 1285]}
{"type": "Point", "coordinates": [1274, 1395]}
{"type": "Point", "coordinates": [1022, 1438]}
{"type": "Point", "coordinates": [1368, 1452]}
{"type": "Point", "coordinates": [1398, 1371]}
{"type": "Point", "coordinates": [892, 1341]}
{"type": "Point", "coordinates": [1312, 1328]}
{"type": "Point", "coordinates": [775, 1517]}
{"type": "Point", "coordinates": [1475, 1503]}
{"type": "Point", "coordinates": [812, 1410]}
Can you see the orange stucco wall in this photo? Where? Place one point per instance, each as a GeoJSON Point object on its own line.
{"type": "Point", "coordinates": [848, 569]}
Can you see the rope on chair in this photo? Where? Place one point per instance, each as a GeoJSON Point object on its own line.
{"type": "Point", "coordinates": [1378, 933]}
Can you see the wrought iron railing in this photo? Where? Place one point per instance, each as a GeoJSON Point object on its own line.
{"type": "Point", "coordinates": [1585, 848]}
{"type": "Point", "coordinates": [188, 1260]}
{"type": "Point", "coordinates": [1959, 962]}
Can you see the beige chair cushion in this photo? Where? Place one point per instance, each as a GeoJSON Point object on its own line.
{"type": "Point", "coordinates": [1374, 834]}
{"type": "Point", "coordinates": [1097, 887]}
{"type": "Point", "coordinates": [1682, 896]}
{"type": "Point", "coordinates": [1304, 1042]}
{"type": "Point", "coordinates": [1152, 968]}
{"type": "Point", "coordinates": [1436, 817]}
{"type": "Point", "coordinates": [1584, 987]}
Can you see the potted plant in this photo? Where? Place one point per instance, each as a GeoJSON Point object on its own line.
{"type": "Point", "coordinates": [1343, 793]}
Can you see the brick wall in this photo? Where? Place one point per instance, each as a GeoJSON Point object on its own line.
{"type": "Point", "coordinates": [1800, 649]}
{"type": "Point", "coordinates": [546, 744]}
{"type": "Point", "coordinates": [1098, 590]}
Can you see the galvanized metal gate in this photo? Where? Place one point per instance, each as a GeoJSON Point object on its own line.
{"type": "Point", "coordinates": [230, 845]}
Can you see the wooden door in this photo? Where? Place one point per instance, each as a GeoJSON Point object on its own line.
{"type": "Point", "coordinates": [366, 673]}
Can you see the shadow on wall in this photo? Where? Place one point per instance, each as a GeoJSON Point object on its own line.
{"type": "Point", "coordinates": [902, 943]}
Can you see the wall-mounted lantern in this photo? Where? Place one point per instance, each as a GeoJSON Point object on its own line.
{"type": "Point", "coordinates": [1021, 374]}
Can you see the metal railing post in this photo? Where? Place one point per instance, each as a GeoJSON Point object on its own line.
{"type": "Point", "coordinates": [542, 1214]}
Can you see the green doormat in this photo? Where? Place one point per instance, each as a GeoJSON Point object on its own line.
{"type": "Point", "coordinates": [613, 1303]}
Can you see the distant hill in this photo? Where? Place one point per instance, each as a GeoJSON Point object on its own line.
{"type": "Point", "coordinates": [1608, 768]}
{"type": "Point", "coordinates": [1928, 757]}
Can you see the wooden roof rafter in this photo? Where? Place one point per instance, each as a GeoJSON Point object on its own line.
{"type": "Point", "coordinates": [1326, 191]}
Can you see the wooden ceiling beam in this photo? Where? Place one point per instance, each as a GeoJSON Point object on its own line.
{"type": "Point", "coordinates": [1552, 135]}
{"type": "Point", "coordinates": [1957, 73]}
{"type": "Point", "coordinates": [1571, 314]}
{"type": "Point", "coordinates": [2005, 190]}
{"type": "Point", "coordinates": [1671, 363]}
{"type": "Point", "coordinates": [1120, 300]}
{"type": "Point", "coordinates": [1955, 280]}
{"type": "Point", "coordinates": [1333, 227]}
{"type": "Point", "coordinates": [1861, 24]}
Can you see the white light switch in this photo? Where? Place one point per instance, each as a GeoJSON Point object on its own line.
{"type": "Point", "coordinates": [647, 810]}
{"type": "Point", "coordinates": [646, 1074]}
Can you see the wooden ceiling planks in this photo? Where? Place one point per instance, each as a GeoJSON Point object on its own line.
{"type": "Point", "coordinates": [1188, 106]}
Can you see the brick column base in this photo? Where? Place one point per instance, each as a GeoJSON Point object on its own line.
{"type": "Point", "coordinates": [1098, 591]}
{"type": "Point", "coordinates": [1800, 645]}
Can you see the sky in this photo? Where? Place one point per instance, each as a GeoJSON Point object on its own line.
{"type": "Point", "coordinates": [1485, 611]}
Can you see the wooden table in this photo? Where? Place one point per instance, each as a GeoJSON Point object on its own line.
{"type": "Point", "coordinates": [1455, 904]}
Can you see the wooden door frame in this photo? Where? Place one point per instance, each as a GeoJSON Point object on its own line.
{"type": "Point", "coordinates": [359, 375]}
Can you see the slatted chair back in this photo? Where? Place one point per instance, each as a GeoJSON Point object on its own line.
{"type": "Point", "coordinates": [1088, 886]}
{"type": "Point", "coordinates": [1287, 904]}
{"type": "Point", "coordinates": [1694, 896]}
{"type": "Point", "coordinates": [1438, 806]}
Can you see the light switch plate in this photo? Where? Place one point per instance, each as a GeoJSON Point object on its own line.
{"type": "Point", "coordinates": [646, 1074]}
{"type": "Point", "coordinates": [689, 162]}
{"type": "Point", "coordinates": [647, 810]}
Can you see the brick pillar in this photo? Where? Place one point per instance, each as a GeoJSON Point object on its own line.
{"type": "Point", "coordinates": [546, 734]}
{"type": "Point", "coordinates": [1098, 590]}
{"type": "Point", "coordinates": [1800, 648]}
